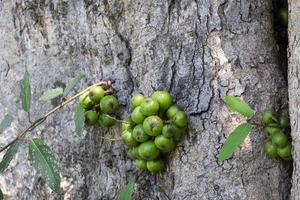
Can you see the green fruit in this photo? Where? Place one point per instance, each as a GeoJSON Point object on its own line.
{"type": "Point", "coordinates": [148, 150]}
{"type": "Point", "coordinates": [141, 164]}
{"type": "Point", "coordinates": [285, 152]}
{"type": "Point", "coordinates": [130, 155]}
{"type": "Point", "coordinates": [91, 117]}
{"type": "Point", "coordinates": [164, 144]}
{"type": "Point", "coordinates": [169, 130]}
{"type": "Point", "coordinates": [280, 139]}
{"type": "Point", "coordinates": [85, 101]}
{"type": "Point", "coordinates": [96, 94]}
{"type": "Point", "coordinates": [180, 119]}
{"type": "Point", "coordinates": [270, 131]}
{"type": "Point", "coordinates": [153, 125]}
{"type": "Point", "coordinates": [163, 98]}
{"type": "Point", "coordinates": [106, 120]}
{"type": "Point", "coordinates": [128, 138]}
{"type": "Point", "coordinates": [284, 121]}
{"type": "Point", "coordinates": [137, 116]}
{"type": "Point", "coordinates": [149, 107]}
{"type": "Point", "coordinates": [109, 104]}
{"type": "Point", "coordinates": [178, 134]}
{"type": "Point", "coordinates": [283, 16]}
{"type": "Point", "coordinates": [137, 100]}
{"type": "Point", "coordinates": [139, 134]}
{"type": "Point", "coordinates": [269, 117]}
{"type": "Point", "coordinates": [155, 165]}
{"type": "Point", "coordinates": [270, 149]}
{"type": "Point", "coordinates": [127, 124]}
{"type": "Point", "coordinates": [172, 111]}
{"type": "Point", "coordinates": [135, 152]}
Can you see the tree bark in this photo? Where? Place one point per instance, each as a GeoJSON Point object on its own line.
{"type": "Point", "coordinates": [200, 51]}
{"type": "Point", "coordinates": [294, 90]}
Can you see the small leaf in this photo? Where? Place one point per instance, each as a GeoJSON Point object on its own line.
{"type": "Point", "coordinates": [1, 195]}
{"type": "Point", "coordinates": [238, 105]}
{"type": "Point", "coordinates": [126, 192]}
{"type": "Point", "coordinates": [236, 138]}
{"type": "Point", "coordinates": [25, 92]}
{"type": "Point", "coordinates": [70, 86]}
{"type": "Point", "coordinates": [6, 122]}
{"type": "Point", "coordinates": [45, 163]}
{"type": "Point", "coordinates": [51, 94]}
{"type": "Point", "coordinates": [79, 119]}
{"type": "Point", "coordinates": [9, 155]}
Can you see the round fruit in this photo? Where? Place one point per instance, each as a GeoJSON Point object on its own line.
{"type": "Point", "coordinates": [280, 139]}
{"type": "Point", "coordinates": [178, 134]}
{"type": "Point", "coordinates": [106, 120]}
{"type": "Point", "coordinates": [129, 139]}
{"type": "Point", "coordinates": [141, 164]}
{"type": "Point", "coordinates": [169, 130]}
{"type": "Point", "coordinates": [91, 117]}
{"type": "Point", "coordinates": [283, 16]}
{"type": "Point", "coordinates": [285, 152]}
{"type": "Point", "coordinates": [269, 117]}
{"type": "Point", "coordinates": [284, 121]}
{"type": "Point", "coordinates": [130, 155]}
{"type": "Point", "coordinates": [96, 94]}
{"type": "Point", "coordinates": [148, 150]}
{"type": "Point", "coordinates": [180, 119]}
{"type": "Point", "coordinates": [139, 134]}
{"type": "Point", "coordinates": [137, 116]}
{"type": "Point", "coordinates": [149, 107]}
{"type": "Point", "coordinates": [135, 153]}
{"type": "Point", "coordinates": [127, 124]}
{"type": "Point", "coordinates": [163, 98]}
{"type": "Point", "coordinates": [85, 101]}
{"type": "Point", "coordinates": [172, 111]}
{"type": "Point", "coordinates": [270, 149]}
{"type": "Point", "coordinates": [155, 165]}
{"type": "Point", "coordinates": [153, 125]}
{"type": "Point", "coordinates": [137, 100]}
{"type": "Point", "coordinates": [164, 144]}
{"type": "Point", "coordinates": [271, 130]}
{"type": "Point", "coordinates": [109, 104]}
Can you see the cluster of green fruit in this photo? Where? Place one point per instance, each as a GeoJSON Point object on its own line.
{"type": "Point", "coordinates": [277, 143]}
{"type": "Point", "coordinates": [154, 128]}
{"type": "Point", "coordinates": [99, 107]}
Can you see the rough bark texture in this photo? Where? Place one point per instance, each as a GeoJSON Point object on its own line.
{"type": "Point", "coordinates": [294, 91]}
{"type": "Point", "coordinates": [198, 50]}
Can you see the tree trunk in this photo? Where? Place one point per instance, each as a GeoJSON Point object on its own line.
{"type": "Point", "coordinates": [198, 50]}
{"type": "Point", "coordinates": [294, 89]}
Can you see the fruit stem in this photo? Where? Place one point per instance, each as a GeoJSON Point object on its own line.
{"type": "Point", "coordinates": [118, 120]}
{"type": "Point", "coordinates": [170, 121]}
{"type": "Point", "coordinates": [41, 119]}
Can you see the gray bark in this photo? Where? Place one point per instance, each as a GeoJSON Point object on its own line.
{"type": "Point", "coordinates": [198, 50]}
{"type": "Point", "coordinates": [294, 90]}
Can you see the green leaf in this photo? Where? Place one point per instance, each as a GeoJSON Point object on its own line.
{"type": "Point", "coordinates": [70, 86]}
{"type": "Point", "coordinates": [238, 105]}
{"type": "Point", "coordinates": [25, 92]}
{"type": "Point", "coordinates": [51, 94]}
{"type": "Point", "coordinates": [126, 192]}
{"type": "Point", "coordinates": [236, 138]}
{"type": "Point", "coordinates": [6, 122]}
{"type": "Point", "coordinates": [1, 195]}
{"type": "Point", "coordinates": [9, 155]}
{"type": "Point", "coordinates": [45, 163]}
{"type": "Point", "coordinates": [79, 119]}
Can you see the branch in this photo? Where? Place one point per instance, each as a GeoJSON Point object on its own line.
{"type": "Point", "coordinates": [41, 119]}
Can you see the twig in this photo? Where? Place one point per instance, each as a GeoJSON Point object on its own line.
{"type": "Point", "coordinates": [41, 119]}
